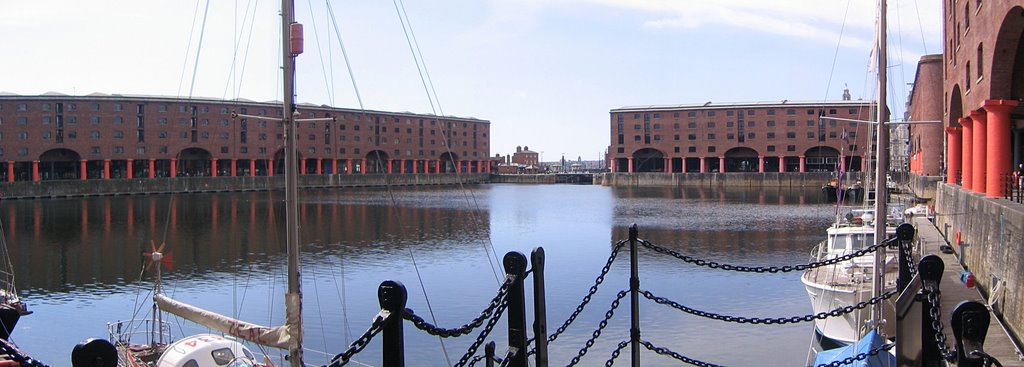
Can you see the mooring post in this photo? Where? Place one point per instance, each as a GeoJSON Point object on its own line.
{"type": "Point", "coordinates": [634, 297]}
{"type": "Point", "coordinates": [489, 354]}
{"type": "Point", "coordinates": [905, 236]}
{"type": "Point", "coordinates": [392, 297]}
{"type": "Point", "coordinates": [540, 314]}
{"type": "Point", "coordinates": [930, 269]}
{"type": "Point", "coordinates": [969, 321]}
{"type": "Point", "coordinates": [515, 264]}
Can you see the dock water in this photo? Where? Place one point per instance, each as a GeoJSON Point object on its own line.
{"type": "Point", "coordinates": [997, 342]}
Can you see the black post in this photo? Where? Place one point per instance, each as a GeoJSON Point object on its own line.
{"type": "Point", "coordinates": [489, 354]}
{"type": "Point", "coordinates": [930, 270]}
{"type": "Point", "coordinates": [970, 321]}
{"type": "Point", "coordinates": [392, 297]}
{"type": "Point", "coordinates": [634, 297]}
{"type": "Point", "coordinates": [904, 235]}
{"type": "Point", "coordinates": [540, 315]}
{"type": "Point", "coordinates": [515, 264]}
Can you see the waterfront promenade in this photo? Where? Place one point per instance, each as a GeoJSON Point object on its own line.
{"type": "Point", "coordinates": [997, 342]}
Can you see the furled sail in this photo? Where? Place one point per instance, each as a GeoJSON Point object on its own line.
{"type": "Point", "coordinates": [272, 337]}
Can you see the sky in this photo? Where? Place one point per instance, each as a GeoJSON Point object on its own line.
{"type": "Point", "coordinates": [545, 73]}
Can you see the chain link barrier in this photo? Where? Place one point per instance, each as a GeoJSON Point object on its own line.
{"type": "Point", "coordinates": [770, 321]}
{"type": "Point", "coordinates": [615, 353]}
{"type": "Point", "coordinates": [911, 264]}
{"type": "Point", "coordinates": [432, 329]}
{"type": "Point", "coordinates": [586, 299]}
{"type": "Point", "coordinates": [949, 354]}
{"type": "Point", "coordinates": [480, 338]}
{"type": "Point", "coordinates": [13, 353]}
{"type": "Point", "coordinates": [357, 346]}
{"type": "Point", "coordinates": [600, 327]}
{"type": "Point", "coordinates": [771, 269]}
{"type": "Point", "coordinates": [676, 356]}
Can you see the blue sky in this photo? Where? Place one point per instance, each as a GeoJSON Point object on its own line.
{"type": "Point", "coordinates": [545, 73]}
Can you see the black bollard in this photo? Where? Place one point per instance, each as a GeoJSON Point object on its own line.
{"type": "Point", "coordinates": [392, 297]}
{"type": "Point", "coordinates": [634, 297]}
{"type": "Point", "coordinates": [540, 318]}
{"type": "Point", "coordinates": [515, 264]}
{"type": "Point", "coordinates": [94, 352]}
{"type": "Point", "coordinates": [930, 269]}
{"type": "Point", "coordinates": [969, 321]}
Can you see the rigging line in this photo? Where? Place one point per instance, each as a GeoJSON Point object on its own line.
{"type": "Point", "coordinates": [344, 54]}
{"type": "Point", "coordinates": [199, 50]}
{"type": "Point", "coordinates": [236, 42]}
{"type": "Point", "coordinates": [430, 309]}
{"type": "Point", "coordinates": [342, 298]}
{"type": "Point", "coordinates": [248, 44]}
{"type": "Point", "coordinates": [835, 56]}
{"type": "Point", "coordinates": [184, 63]}
{"type": "Point", "coordinates": [403, 19]}
{"type": "Point", "coordinates": [319, 313]}
{"type": "Point", "coordinates": [323, 67]}
{"type": "Point", "coordinates": [920, 27]}
{"type": "Point", "coordinates": [899, 56]}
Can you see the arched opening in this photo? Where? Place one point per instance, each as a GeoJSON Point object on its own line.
{"type": "Point", "coordinates": [1007, 75]}
{"type": "Point", "coordinates": [60, 164]}
{"type": "Point", "coordinates": [194, 162]}
{"type": "Point", "coordinates": [741, 159]}
{"type": "Point", "coordinates": [377, 162]}
{"type": "Point", "coordinates": [648, 160]}
{"type": "Point", "coordinates": [448, 161]}
{"type": "Point", "coordinates": [822, 159]}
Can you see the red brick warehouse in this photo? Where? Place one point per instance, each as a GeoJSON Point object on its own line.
{"type": "Point", "coordinates": [741, 137]}
{"type": "Point", "coordinates": [59, 137]}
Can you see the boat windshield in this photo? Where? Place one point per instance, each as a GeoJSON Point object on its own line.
{"type": "Point", "coordinates": [850, 242]}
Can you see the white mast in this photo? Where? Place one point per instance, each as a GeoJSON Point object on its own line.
{"type": "Point", "coordinates": [881, 166]}
{"type": "Point", "coordinates": [293, 299]}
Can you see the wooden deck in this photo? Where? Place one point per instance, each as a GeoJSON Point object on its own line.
{"type": "Point", "coordinates": [997, 341]}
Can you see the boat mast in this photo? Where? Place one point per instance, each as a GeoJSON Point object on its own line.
{"type": "Point", "coordinates": [881, 166]}
{"type": "Point", "coordinates": [293, 299]}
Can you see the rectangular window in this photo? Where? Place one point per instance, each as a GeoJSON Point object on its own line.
{"type": "Point", "coordinates": [691, 114]}
{"type": "Point", "coordinates": [791, 148]}
{"type": "Point", "coordinates": [711, 136]}
{"type": "Point", "coordinates": [711, 113]}
{"type": "Point", "coordinates": [691, 149]}
{"type": "Point", "coordinates": [711, 149]}
{"type": "Point", "coordinates": [771, 136]}
{"type": "Point", "coordinates": [771, 148]}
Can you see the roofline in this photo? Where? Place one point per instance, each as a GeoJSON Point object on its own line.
{"type": "Point", "coordinates": [735, 105]}
{"type": "Point", "coordinates": [4, 96]}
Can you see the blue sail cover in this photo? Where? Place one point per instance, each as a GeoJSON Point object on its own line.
{"type": "Point", "coordinates": [870, 341]}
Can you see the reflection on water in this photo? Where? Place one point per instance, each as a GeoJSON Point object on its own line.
{"type": "Point", "coordinates": [79, 265]}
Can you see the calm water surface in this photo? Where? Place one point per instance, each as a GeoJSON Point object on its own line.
{"type": "Point", "coordinates": [78, 264]}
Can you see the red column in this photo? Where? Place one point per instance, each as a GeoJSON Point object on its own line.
{"type": "Point", "coordinates": [106, 169]}
{"type": "Point", "coordinates": [967, 147]}
{"type": "Point", "coordinates": [629, 167]}
{"type": "Point", "coordinates": [335, 170]}
{"type": "Point", "coordinates": [10, 170]}
{"type": "Point", "coordinates": [319, 166]}
{"type": "Point", "coordinates": [270, 167]}
{"type": "Point", "coordinates": [84, 174]}
{"type": "Point", "coordinates": [489, 168]}
{"type": "Point", "coordinates": [803, 164]}
{"type": "Point", "coordinates": [683, 167]}
{"type": "Point", "coordinates": [362, 166]}
{"type": "Point", "coordinates": [234, 166]}
{"type": "Point", "coordinates": [348, 166]}
{"type": "Point", "coordinates": [721, 164]}
{"type": "Point", "coordinates": [302, 166]}
{"type": "Point", "coordinates": [129, 168]}
{"type": "Point", "coordinates": [999, 149]}
{"type": "Point", "coordinates": [978, 156]}
{"type": "Point", "coordinates": [252, 168]}
{"type": "Point", "coordinates": [152, 168]}
{"type": "Point", "coordinates": [35, 171]}
{"type": "Point", "coordinates": [390, 165]}
{"type": "Point", "coordinates": [760, 163]}
{"type": "Point", "coordinates": [703, 165]}
{"type": "Point", "coordinates": [213, 167]}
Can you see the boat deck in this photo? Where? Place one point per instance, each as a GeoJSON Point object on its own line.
{"type": "Point", "coordinates": [997, 342]}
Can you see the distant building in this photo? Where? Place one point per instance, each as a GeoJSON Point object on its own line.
{"type": "Point", "coordinates": [782, 136]}
{"type": "Point", "coordinates": [526, 157]}
{"type": "Point", "coordinates": [924, 141]}
{"type": "Point", "coordinates": [99, 136]}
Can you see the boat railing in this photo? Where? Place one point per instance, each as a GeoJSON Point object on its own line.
{"type": "Point", "coordinates": [144, 331]}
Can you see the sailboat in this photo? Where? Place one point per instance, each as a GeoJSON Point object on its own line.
{"type": "Point", "coordinates": [848, 283]}
{"type": "Point", "coordinates": [217, 350]}
{"type": "Point", "coordinates": [11, 306]}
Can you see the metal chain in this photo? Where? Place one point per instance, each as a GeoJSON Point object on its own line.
{"type": "Point", "coordinates": [615, 353]}
{"type": "Point", "coordinates": [677, 356]}
{"type": "Point", "coordinates": [8, 348]}
{"type": "Point", "coordinates": [910, 260]}
{"type": "Point", "coordinates": [586, 299]}
{"type": "Point", "coordinates": [600, 327]}
{"type": "Point", "coordinates": [431, 329]}
{"type": "Point", "coordinates": [859, 357]}
{"type": "Point", "coordinates": [357, 346]}
{"type": "Point", "coordinates": [770, 269]}
{"type": "Point", "coordinates": [940, 337]}
{"type": "Point", "coordinates": [483, 334]}
{"type": "Point", "coordinates": [770, 321]}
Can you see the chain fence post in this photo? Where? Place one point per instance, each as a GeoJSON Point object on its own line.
{"type": "Point", "coordinates": [489, 354]}
{"type": "Point", "coordinates": [515, 264]}
{"type": "Point", "coordinates": [905, 235]}
{"type": "Point", "coordinates": [392, 297]}
{"type": "Point", "coordinates": [540, 314]}
{"type": "Point", "coordinates": [634, 297]}
{"type": "Point", "coordinates": [969, 321]}
{"type": "Point", "coordinates": [930, 268]}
